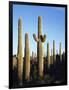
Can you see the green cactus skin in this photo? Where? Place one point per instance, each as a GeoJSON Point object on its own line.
{"type": "Point", "coordinates": [48, 55]}
{"type": "Point", "coordinates": [54, 56]}
{"type": "Point", "coordinates": [27, 57]}
{"type": "Point", "coordinates": [40, 40]}
{"type": "Point", "coordinates": [39, 26]}
{"type": "Point", "coordinates": [20, 54]}
{"type": "Point", "coordinates": [40, 58]}
{"type": "Point", "coordinates": [60, 47]}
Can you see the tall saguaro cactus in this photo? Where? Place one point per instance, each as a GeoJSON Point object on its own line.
{"type": "Point", "coordinates": [40, 40]}
{"type": "Point", "coordinates": [27, 57]}
{"type": "Point", "coordinates": [60, 52]}
{"type": "Point", "coordinates": [20, 54]}
{"type": "Point", "coordinates": [48, 55]}
{"type": "Point", "coordinates": [54, 54]}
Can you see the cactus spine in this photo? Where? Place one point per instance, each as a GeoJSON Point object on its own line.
{"type": "Point", "coordinates": [60, 53]}
{"type": "Point", "coordinates": [54, 56]}
{"type": "Point", "coordinates": [48, 55]}
{"type": "Point", "coordinates": [27, 57]}
{"type": "Point", "coordinates": [19, 54]}
{"type": "Point", "coordinates": [40, 40]}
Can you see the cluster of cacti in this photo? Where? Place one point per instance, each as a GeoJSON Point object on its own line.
{"type": "Point", "coordinates": [20, 54]}
{"type": "Point", "coordinates": [40, 40]}
{"type": "Point", "coordinates": [53, 57]}
{"type": "Point", "coordinates": [60, 52]}
{"type": "Point", "coordinates": [48, 55]}
{"type": "Point", "coordinates": [40, 57]}
{"type": "Point", "coordinates": [54, 53]}
{"type": "Point", "coordinates": [27, 57]}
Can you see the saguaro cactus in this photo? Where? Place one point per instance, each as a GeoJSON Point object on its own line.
{"type": "Point", "coordinates": [48, 55]}
{"type": "Point", "coordinates": [20, 54]}
{"type": "Point", "coordinates": [40, 40]}
{"type": "Point", "coordinates": [54, 55]}
{"type": "Point", "coordinates": [60, 52]}
{"type": "Point", "coordinates": [51, 57]}
{"type": "Point", "coordinates": [27, 57]}
{"type": "Point", "coordinates": [32, 55]}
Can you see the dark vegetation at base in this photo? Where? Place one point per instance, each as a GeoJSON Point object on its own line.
{"type": "Point", "coordinates": [54, 75]}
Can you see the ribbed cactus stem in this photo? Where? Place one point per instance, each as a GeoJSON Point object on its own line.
{"type": "Point", "coordinates": [39, 26]}
{"type": "Point", "coordinates": [40, 58]}
{"type": "Point", "coordinates": [54, 54]}
{"type": "Point", "coordinates": [48, 55]}
{"type": "Point", "coordinates": [19, 54]}
{"type": "Point", "coordinates": [60, 52]}
{"type": "Point", "coordinates": [40, 40]}
{"type": "Point", "coordinates": [27, 57]}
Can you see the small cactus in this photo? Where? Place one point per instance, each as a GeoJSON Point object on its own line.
{"type": "Point", "coordinates": [27, 57]}
{"type": "Point", "coordinates": [51, 57]}
{"type": "Point", "coordinates": [48, 55]}
{"type": "Point", "coordinates": [60, 53]}
{"type": "Point", "coordinates": [54, 55]}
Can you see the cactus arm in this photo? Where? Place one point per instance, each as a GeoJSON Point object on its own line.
{"type": "Point", "coordinates": [43, 38]}
{"type": "Point", "coordinates": [35, 38]}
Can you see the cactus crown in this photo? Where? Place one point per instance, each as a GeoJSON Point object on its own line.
{"type": "Point", "coordinates": [40, 36]}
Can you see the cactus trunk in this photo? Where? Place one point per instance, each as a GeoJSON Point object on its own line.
{"type": "Point", "coordinates": [19, 54]}
{"type": "Point", "coordinates": [40, 58]}
{"type": "Point", "coordinates": [40, 40]}
{"type": "Point", "coordinates": [39, 50]}
{"type": "Point", "coordinates": [27, 57]}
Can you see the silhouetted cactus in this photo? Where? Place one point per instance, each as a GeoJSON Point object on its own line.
{"type": "Point", "coordinates": [27, 57]}
{"type": "Point", "coordinates": [54, 55]}
{"type": "Point", "coordinates": [60, 53]}
{"type": "Point", "coordinates": [40, 40]}
{"type": "Point", "coordinates": [48, 55]}
{"type": "Point", "coordinates": [20, 54]}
